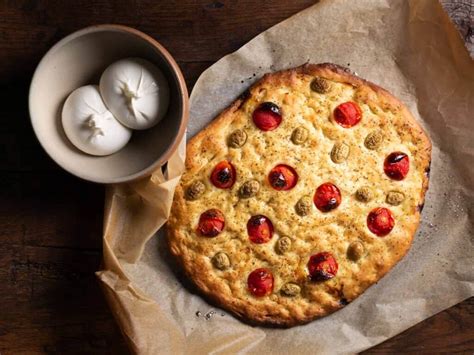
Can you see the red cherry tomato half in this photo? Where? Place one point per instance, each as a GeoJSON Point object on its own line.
{"type": "Point", "coordinates": [267, 116]}
{"type": "Point", "coordinates": [380, 221]}
{"type": "Point", "coordinates": [260, 282]}
{"type": "Point", "coordinates": [223, 176]}
{"type": "Point", "coordinates": [327, 197]}
{"type": "Point", "coordinates": [211, 223]}
{"type": "Point", "coordinates": [259, 229]}
{"type": "Point", "coordinates": [322, 266]}
{"type": "Point", "coordinates": [396, 165]}
{"type": "Point", "coordinates": [283, 177]}
{"type": "Point", "coordinates": [347, 114]}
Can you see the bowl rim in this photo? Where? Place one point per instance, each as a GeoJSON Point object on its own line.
{"type": "Point", "coordinates": [184, 98]}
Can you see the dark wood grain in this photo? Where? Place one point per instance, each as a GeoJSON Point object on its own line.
{"type": "Point", "coordinates": [50, 222]}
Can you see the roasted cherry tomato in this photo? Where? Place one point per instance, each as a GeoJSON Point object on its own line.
{"type": "Point", "coordinates": [260, 229]}
{"type": "Point", "coordinates": [260, 282]}
{"type": "Point", "coordinates": [380, 221]}
{"type": "Point", "coordinates": [327, 197]}
{"type": "Point", "coordinates": [211, 223]}
{"type": "Point", "coordinates": [322, 266]}
{"type": "Point", "coordinates": [396, 165]}
{"type": "Point", "coordinates": [347, 114]}
{"type": "Point", "coordinates": [223, 176]}
{"type": "Point", "coordinates": [283, 177]}
{"type": "Point", "coordinates": [267, 116]}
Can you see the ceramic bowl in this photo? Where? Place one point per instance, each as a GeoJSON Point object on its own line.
{"type": "Point", "coordinates": [79, 59]}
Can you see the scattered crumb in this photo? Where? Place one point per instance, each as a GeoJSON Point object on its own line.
{"type": "Point", "coordinates": [209, 315]}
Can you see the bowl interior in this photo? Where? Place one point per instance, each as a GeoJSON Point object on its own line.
{"type": "Point", "coordinates": [79, 60]}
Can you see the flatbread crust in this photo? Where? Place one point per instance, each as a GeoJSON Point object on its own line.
{"type": "Point", "coordinates": [316, 232]}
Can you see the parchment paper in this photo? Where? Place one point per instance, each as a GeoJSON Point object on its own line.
{"type": "Point", "coordinates": [410, 48]}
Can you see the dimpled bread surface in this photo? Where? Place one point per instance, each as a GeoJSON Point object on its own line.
{"type": "Point", "coordinates": [313, 160]}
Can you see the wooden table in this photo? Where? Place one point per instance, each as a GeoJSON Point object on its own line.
{"type": "Point", "coordinates": [50, 221]}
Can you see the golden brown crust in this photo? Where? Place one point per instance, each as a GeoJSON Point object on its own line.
{"type": "Point", "coordinates": [310, 233]}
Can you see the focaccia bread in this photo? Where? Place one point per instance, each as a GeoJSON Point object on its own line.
{"type": "Point", "coordinates": [300, 195]}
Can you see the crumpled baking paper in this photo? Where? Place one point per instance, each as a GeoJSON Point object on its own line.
{"type": "Point", "coordinates": [408, 47]}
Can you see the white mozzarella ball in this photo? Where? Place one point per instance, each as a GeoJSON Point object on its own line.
{"type": "Point", "coordinates": [90, 126]}
{"type": "Point", "coordinates": [136, 92]}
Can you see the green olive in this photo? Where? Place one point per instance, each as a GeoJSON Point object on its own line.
{"type": "Point", "coordinates": [340, 152]}
{"type": "Point", "coordinates": [320, 85]}
{"type": "Point", "coordinates": [299, 135]}
{"type": "Point", "coordinates": [221, 261]}
{"type": "Point", "coordinates": [355, 251]}
{"type": "Point", "coordinates": [395, 197]}
{"type": "Point", "coordinates": [283, 245]}
{"type": "Point", "coordinates": [249, 189]}
{"type": "Point", "coordinates": [195, 190]}
{"type": "Point", "coordinates": [364, 194]}
{"type": "Point", "coordinates": [237, 138]}
{"type": "Point", "coordinates": [303, 206]}
{"type": "Point", "coordinates": [374, 140]}
{"type": "Point", "coordinates": [290, 289]}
